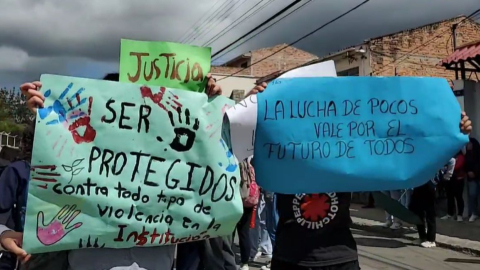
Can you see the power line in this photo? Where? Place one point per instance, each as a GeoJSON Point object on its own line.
{"type": "Point", "coordinates": [259, 26]}
{"type": "Point", "coordinates": [196, 23]}
{"type": "Point", "coordinates": [263, 30]}
{"type": "Point", "coordinates": [225, 16]}
{"type": "Point", "coordinates": [302, 38]}
{"type": "Point", "coordinates": [233, 25]}
{"type": "Point", "coordinates": [426, 43]}
{"type": "Point", "coordinates": [207, 20]}
{"type": "Point", "coordinates": [222, 15]}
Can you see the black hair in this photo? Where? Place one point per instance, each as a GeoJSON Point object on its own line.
{"type": "Point", "coordinates": [115, 77]}
{"type": "Point", "coordinates": [475, 147]}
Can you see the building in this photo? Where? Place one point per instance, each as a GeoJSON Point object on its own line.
{"type": "Point", "coordinates": [465, 60]}
{"type": "Point", "coordinates": [248, 74]}
{"type": "Point", "coordinates": [411, 52]}
{"type": "Point", "coordinates": [9, 140]}
{"type": "Point", "coordinates": [235, 87]}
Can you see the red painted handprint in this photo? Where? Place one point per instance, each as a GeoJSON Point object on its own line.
{"type": "Point", "coordinates": [65, 115]}
{"type": "Point", "coordinates": [58, 227]}
{"type": "Point", "coordinates": [164, 99]}
{"type": "Point", "coordinates": [315, 207]}
{"type": "Point", "coordinates": [84, 121]}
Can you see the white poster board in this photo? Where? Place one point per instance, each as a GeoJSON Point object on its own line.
{"type": "Point", "coordinates": [243, 116]}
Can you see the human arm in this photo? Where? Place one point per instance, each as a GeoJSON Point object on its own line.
{"type": "Point", "coordinates": [449, 171]}
{"type": "Point", "coordinates": [11, 241]}
{"type": "Point", "coordinates": [212, 88]}
{"type": "Point", "coordinates": [465, 124]}
{"type": "Point", "coordinates": [3, 229]}
{"type": "Point", "coordinates": [35, 98]}
{"type": "Point", "coordinates": [257, 89]}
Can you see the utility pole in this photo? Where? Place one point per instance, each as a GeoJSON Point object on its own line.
{"type": "Point", "coordinates": [454, 39]}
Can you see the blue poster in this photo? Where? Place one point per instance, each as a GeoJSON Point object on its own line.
{"type": "Point", "coordinates": [351, 134]}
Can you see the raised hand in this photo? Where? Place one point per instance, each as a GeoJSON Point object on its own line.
{"type": "Point", "coordinates": [58, 227]}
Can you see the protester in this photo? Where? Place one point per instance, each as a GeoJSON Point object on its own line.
{"type": "Point", "coordinates": [370, 201]}
{"type": "Point", "coordinates": [423, 205]}
{"type": "Point", "coordinates": [250, 196]}
{"type": "Point", "coordinates": [261, 245]}
{"type": "Point", "coordinates": [472, 170]}
{"type": "Point", "coordinates": [455, 190]}
{"type": "Point", "coordinates": [263, 235]}
{"type": "Point", "coordinates": [406, 197]}
{"type": "Point", "coordinates": [391, 221]}
{"type": "Point", "coordinates": [272, 221]}
{"type": "Point", "coordinates": [13, 198]}
{"type": "Point", "coordinates": [313, 231]}
{"type": "Point", "coordinates": [152, 258]}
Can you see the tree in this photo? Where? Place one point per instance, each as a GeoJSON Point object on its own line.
{"type": "Point", "coordinates": [14, 115]}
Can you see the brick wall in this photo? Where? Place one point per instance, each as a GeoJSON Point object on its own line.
{"type": "Point", "coordinates": [284, 60]}
{"type": "Point", "coordinates": [229, 70]}
{"type": "Point", "coordinates": [390, 52]}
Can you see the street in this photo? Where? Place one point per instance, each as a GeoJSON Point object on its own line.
{"type": "Point", "coordinates": [378, 252]}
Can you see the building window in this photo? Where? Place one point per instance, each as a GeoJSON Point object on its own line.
{"type": "Point", "coordinates": [244, 65]}
{"type": "Point", "coordinates": [349, 72]}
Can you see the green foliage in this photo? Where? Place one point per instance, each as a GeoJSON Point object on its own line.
{"type": "Point", "coordinates": [14, 114]}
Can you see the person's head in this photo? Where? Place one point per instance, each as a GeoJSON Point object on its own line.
{"type": "Point", "coordinates": [26, 143]}
{"type": "Point", "coordinates": [112, 77]}
{"type": "Point", "coordinates": [473, 145]}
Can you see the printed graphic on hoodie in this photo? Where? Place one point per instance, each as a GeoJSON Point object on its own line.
{"type": "Point", "coordinates": [314, 211]}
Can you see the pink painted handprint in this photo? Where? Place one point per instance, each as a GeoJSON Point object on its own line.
{"type": "Point", "coordinates": [58, 227]}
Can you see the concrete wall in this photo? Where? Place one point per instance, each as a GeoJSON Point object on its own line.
{"type": "Point", "coordinates": [229, 84]}
{"type": "Point", "coordinates": [471, 99]}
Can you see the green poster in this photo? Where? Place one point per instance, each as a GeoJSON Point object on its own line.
{"type": "Point", "coordinates": [118, 165]}
{"type": "Point", "coordinates": [164, 64]}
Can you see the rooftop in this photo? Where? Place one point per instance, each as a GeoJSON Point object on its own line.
{"type": "Point", "coordinates": [469, 52]}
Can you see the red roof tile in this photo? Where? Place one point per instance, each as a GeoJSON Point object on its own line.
{"type": "Point", "coordinates": [463, 53]}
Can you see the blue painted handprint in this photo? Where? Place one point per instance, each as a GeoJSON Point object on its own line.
{"type": "Point", "coordinates": [63, 114]}
{"type": "Point", "coordinates": [73, 113]}
{"type": "Point", "coordinates": [232, 163]}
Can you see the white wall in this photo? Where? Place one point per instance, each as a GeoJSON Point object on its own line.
{"type": "Point", "coordinates": [342, 62]}
{"type": "Point", "coordinates": [229, 84]}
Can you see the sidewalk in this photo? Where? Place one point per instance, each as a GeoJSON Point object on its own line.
{"type": "Point", "coordinates": [459, 236]}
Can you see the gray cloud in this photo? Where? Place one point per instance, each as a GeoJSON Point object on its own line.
{"type": "Point", "coordinates": [81, 38]}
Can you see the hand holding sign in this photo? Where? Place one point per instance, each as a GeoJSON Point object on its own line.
{"type": "Point", "coordinates": [58, 227]}
{"type": "Point", "coordinates": [161, 172]}
{"type": "Point", "coordinates": [354, 134]}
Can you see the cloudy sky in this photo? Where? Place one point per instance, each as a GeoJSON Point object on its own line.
{"type": "Point", "coordinates": [82, 37]}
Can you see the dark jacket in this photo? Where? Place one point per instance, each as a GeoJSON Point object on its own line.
{"type": "Point", "coordinates": [472, 159]}
{"type": "Point", "coordinates": [13, 192]}
{"type": "Point", "coordinates": [13, 201]}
